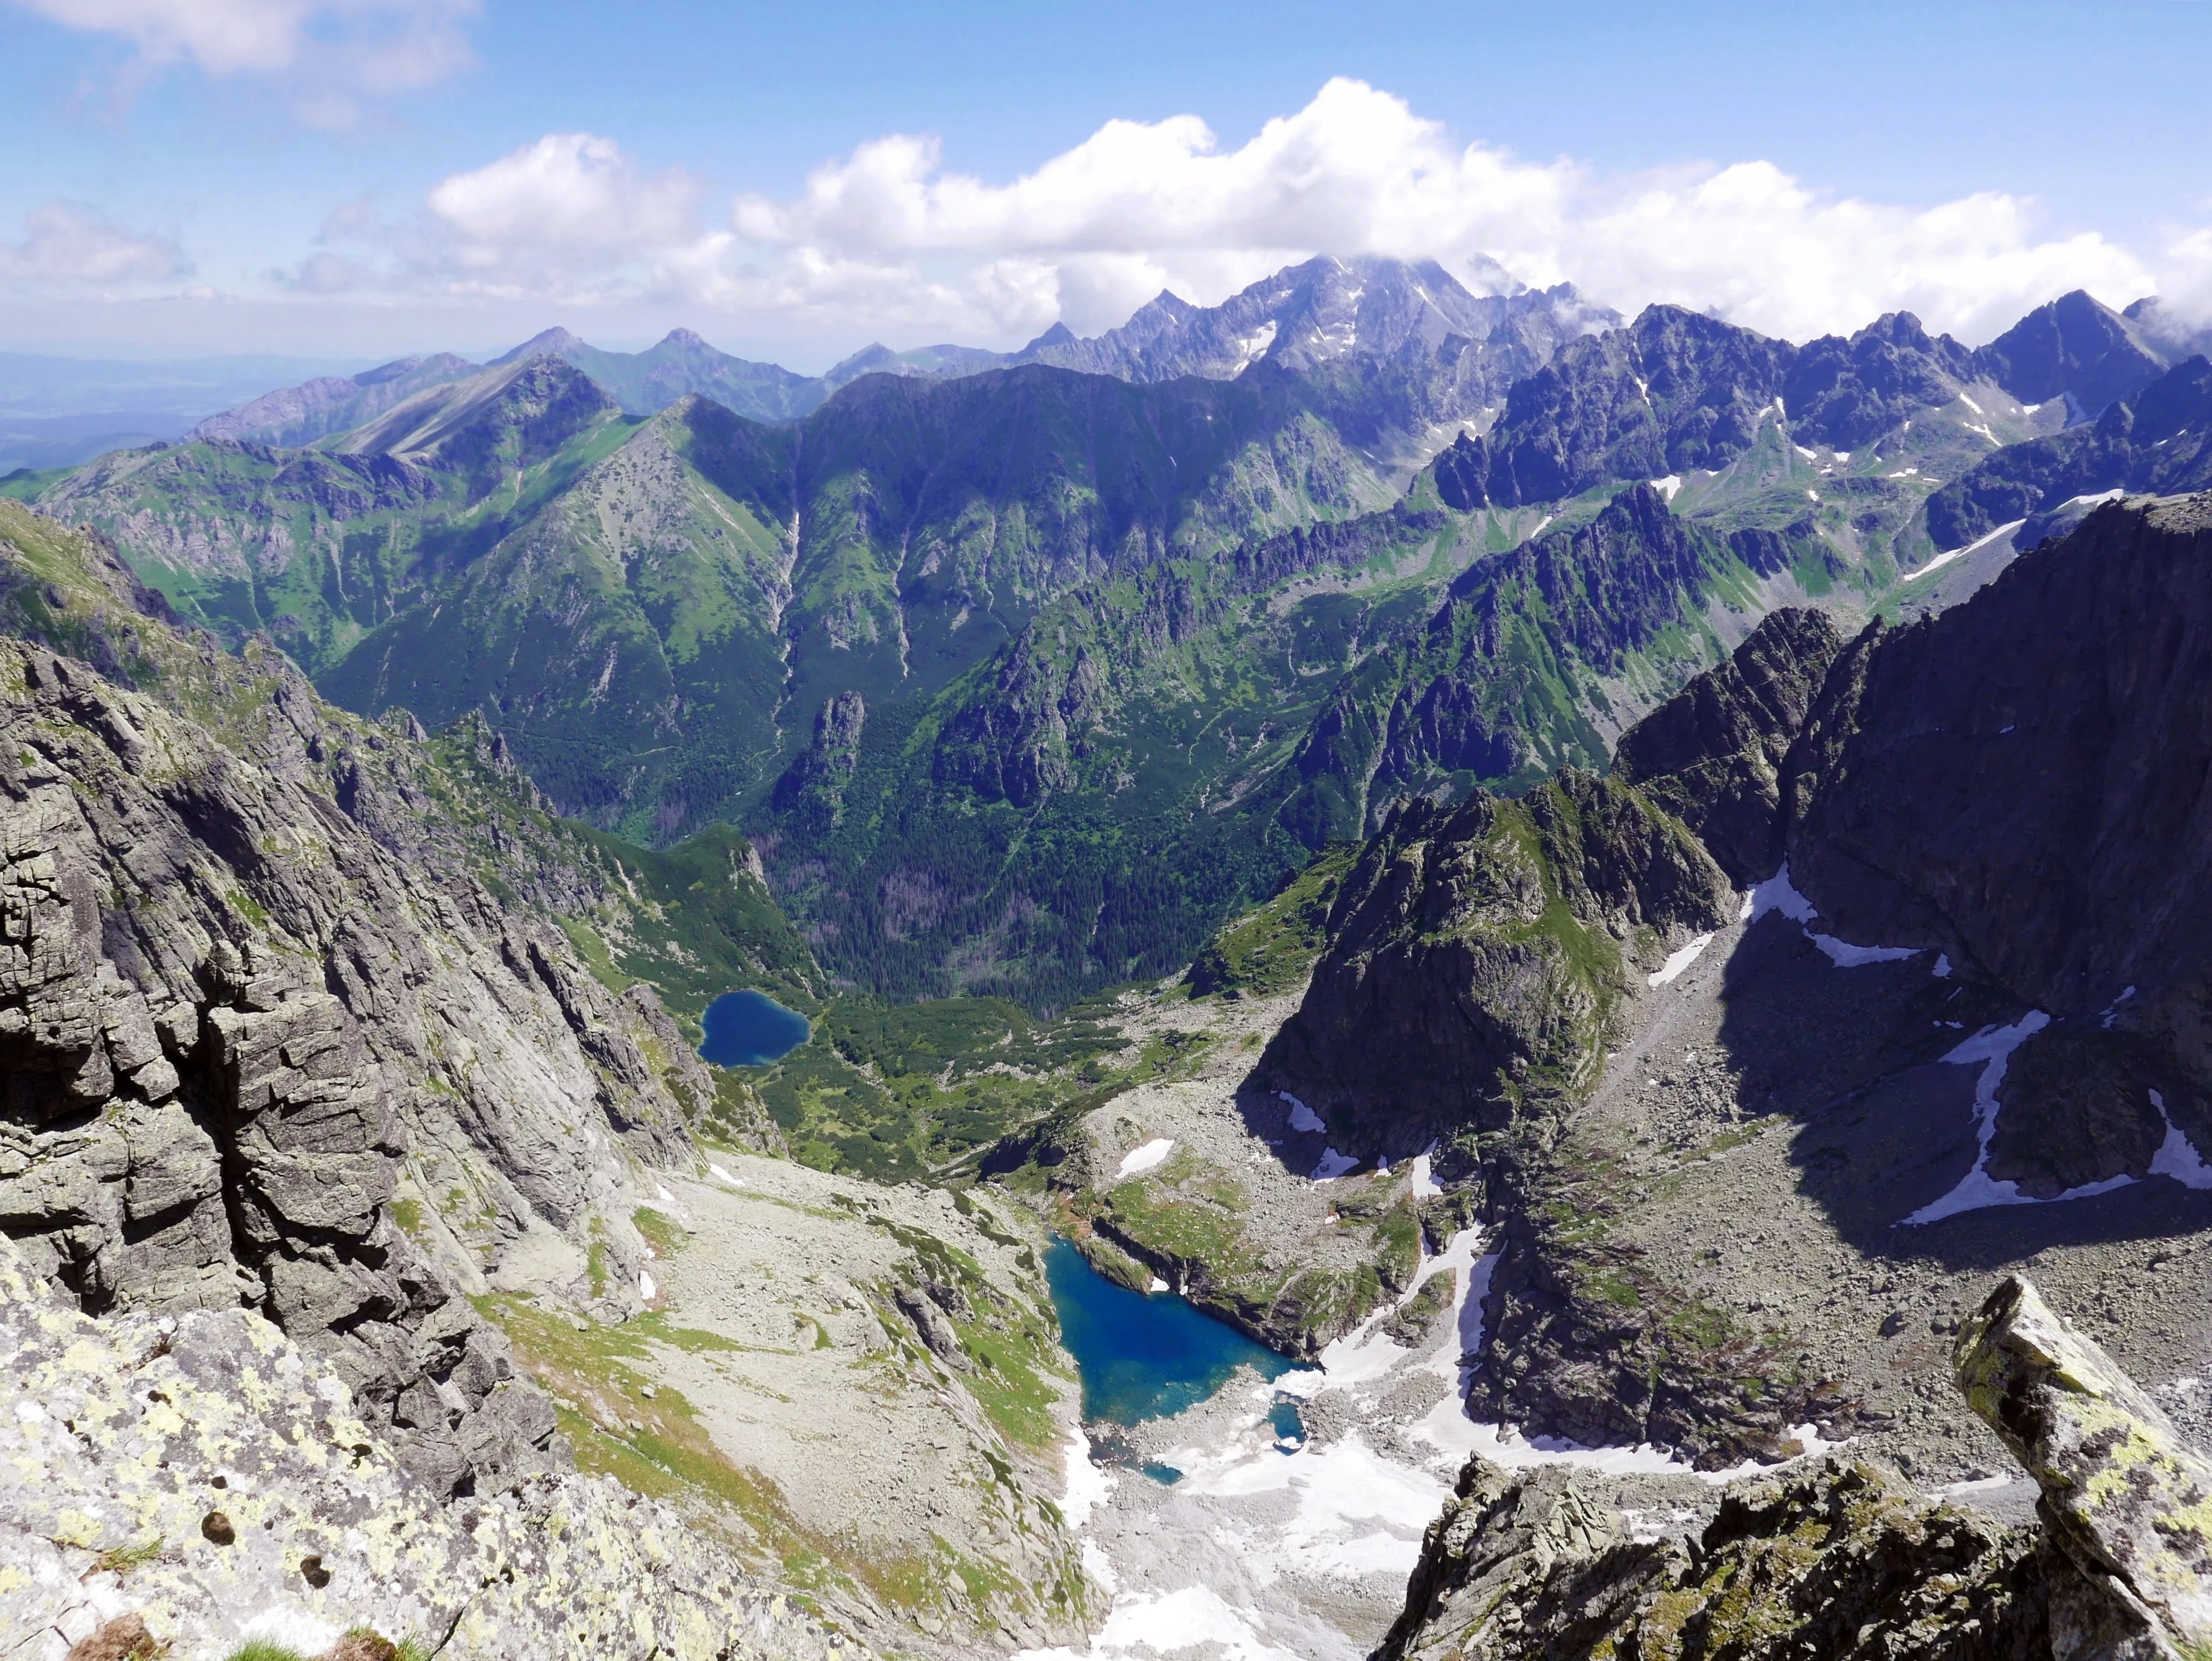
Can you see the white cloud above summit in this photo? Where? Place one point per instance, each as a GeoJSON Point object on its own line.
{"type": "Point", "coordinates": [888, 239]}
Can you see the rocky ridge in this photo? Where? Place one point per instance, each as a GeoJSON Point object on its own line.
{"type": "Point", "coordinates": [234, 1018]}
{"type": "Point", "coordinates": [1842, 1557]}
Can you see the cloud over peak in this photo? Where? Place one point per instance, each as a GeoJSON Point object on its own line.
{"type": "Point", "coordinates": [888, 240]}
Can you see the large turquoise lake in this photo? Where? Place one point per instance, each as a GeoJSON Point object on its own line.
{"type": "Point", "coordinates": [749, 1029]}
{"type": "Point", "coordinates": [1143, 1357]}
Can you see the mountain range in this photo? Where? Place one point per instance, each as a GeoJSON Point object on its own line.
{"type": "Point", "coordinates": [1025, 669]}
{"type": "Point", "coordinates": [1603, 896]}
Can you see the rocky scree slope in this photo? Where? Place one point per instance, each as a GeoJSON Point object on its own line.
{"type": "Point", "coordinates": [233, 1019]}
{"type": "Point", "coordinates": [1843, 1558]}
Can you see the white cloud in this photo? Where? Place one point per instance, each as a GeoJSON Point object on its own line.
{"type": "Point", "coordinates": [67, 246]}
{"type": "Point", "coordinates": [325, 53]}
{"type": "Point", "coordinates": [886, 241]}
{"type": "Point", "coordinates": [1137, 206]}
{"type": "Point", "coordinates": [570, 206]}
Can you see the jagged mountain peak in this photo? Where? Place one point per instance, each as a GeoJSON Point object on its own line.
{"type": "Point", "coordinates": [2075, 347]}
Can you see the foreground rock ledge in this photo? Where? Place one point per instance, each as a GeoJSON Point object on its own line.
{"type": "Point", "coordinates": [1843, 1558]}
{"type": "Point", "coordinates": [2125, 1500]}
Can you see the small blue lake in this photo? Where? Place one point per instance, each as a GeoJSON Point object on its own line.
{"type": "Point", "coordinates": [749, 1029]}
{"type": "Point", "coordinates": [1144, 1357]}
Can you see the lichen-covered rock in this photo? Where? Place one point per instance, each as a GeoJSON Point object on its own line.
{"type": "Point", "coordinates": [1837, 1559]}
{"type": "Point", "coordinates": [198, 1473]}
{"type": "Point", "coordinates": [2128, 1503]}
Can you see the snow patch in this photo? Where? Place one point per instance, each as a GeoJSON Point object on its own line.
{"type": "Point", "coordinates": [1678, 961]}
{"type": "Point", "coordinates": [2176, 1156]}
{"type": "Point", "coordinates": [1158, 1285]}
{"type": "Point", "coordinates": [1088, 1486]}
{"type": "Point", "coordinates": [1425, 1185]}
{"type": "Point", "coordinates": [1943, 965]}
{"type": "Point", "coordinates": [1812, 495]}
{"type": "Point", "coordinates": [1992, 1047]}
{"type": "Point", "coordinates": [1971, 405]}
{"type": "Point", "coordinates": [1334, 1165]}
{"type": "Point", "coordinates": [734, 1182]}
{"type": "Point", "coordinates": [645, 1286]}
{"type": "Point", "coordinates": [2092, 501]}
{"type": "Point", "coordinates": [1302, 1118]}
{"type": "Point", "coordinates": [1778, 893]}
{"type": "Point", "coordinates": [1942, 560]}
{"type": "Point", "coordinates": [662, 1191]}
{"type": "Point", "coordinates": [1145, 1158]}
{"type": "Point", "coordinates": [1668, 485]}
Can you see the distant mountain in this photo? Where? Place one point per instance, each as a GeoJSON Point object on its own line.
{"type": "Point", "coordinates": [1324, 312]}
{"type": "Point", "coordinates": [297, 416]}
{"type": "Point", "coordinates": [1023, 676]}
{"type": "Point", "coordinates": [61, 412]}
{"type": "Point", "coordinates": [2074, 347]}
{"type": "Point", "coordinates": [2157, 441]}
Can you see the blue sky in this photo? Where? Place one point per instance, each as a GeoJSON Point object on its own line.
{"type": "Point", "coordinates": [389, 175]}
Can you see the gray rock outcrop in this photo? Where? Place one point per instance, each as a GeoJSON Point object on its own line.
{"type": "Point", "coordinates": [233, 1024]}
{"type": "Point", "coordinates": [198, 1477]}
{"type": "Point", "coordinates": [2126, 1505]}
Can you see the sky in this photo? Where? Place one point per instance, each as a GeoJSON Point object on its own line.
{"type": "Point", "coordinates": [362, 179]}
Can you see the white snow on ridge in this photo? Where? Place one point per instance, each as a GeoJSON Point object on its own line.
{"type": "Point", "coordinates": [1942, 560]}
{"type": "Point", "coordinates": [1678, 961]}
{"type": "Point", "coordinates": [1145, 1158]}
{"type": "Point", "coordinates": [1971, 405]}
{"type": "Point", "coordinates": [2091, 501]}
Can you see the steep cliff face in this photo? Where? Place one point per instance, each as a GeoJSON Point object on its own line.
{"type": "Point", "coordinates": [1713, 754]}
{"type": "Point", "coordinates": [1476, 956]}
{"type": "Point", "coordinates": [234, 1023]}
{"type": "Point", "coordinates": [2051, 740]}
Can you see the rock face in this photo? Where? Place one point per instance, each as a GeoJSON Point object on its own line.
{"type": "Point", "coordinates": [1474, 959]}
{"type": "Point", "coordinates": [198, 1473]}
{"type": "Point", "coordinates": [2124, 1498]}
{"type": "Point", "coordinates": [1839, 1559]}
{"type": "Point", "coordinates": [2152, 440]}
{"type": "Point", "coordinates": [2050, 737]}
{"type": "Point", "coordinates": [231, 1023]}
{"type": "Point", "coordinates": [1713, 755]}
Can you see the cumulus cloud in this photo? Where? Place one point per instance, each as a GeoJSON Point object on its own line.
{"type": "Point", "coordinates": [570, 205]}
{"type": "Point", "coordinates": [1137, 206]}
{"type": "Point", "coordinates": [887, 240]}
{"type": "Point", "coordinates": [327, 53]}
{"type": "Point", "coordinates": [68, 246]}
